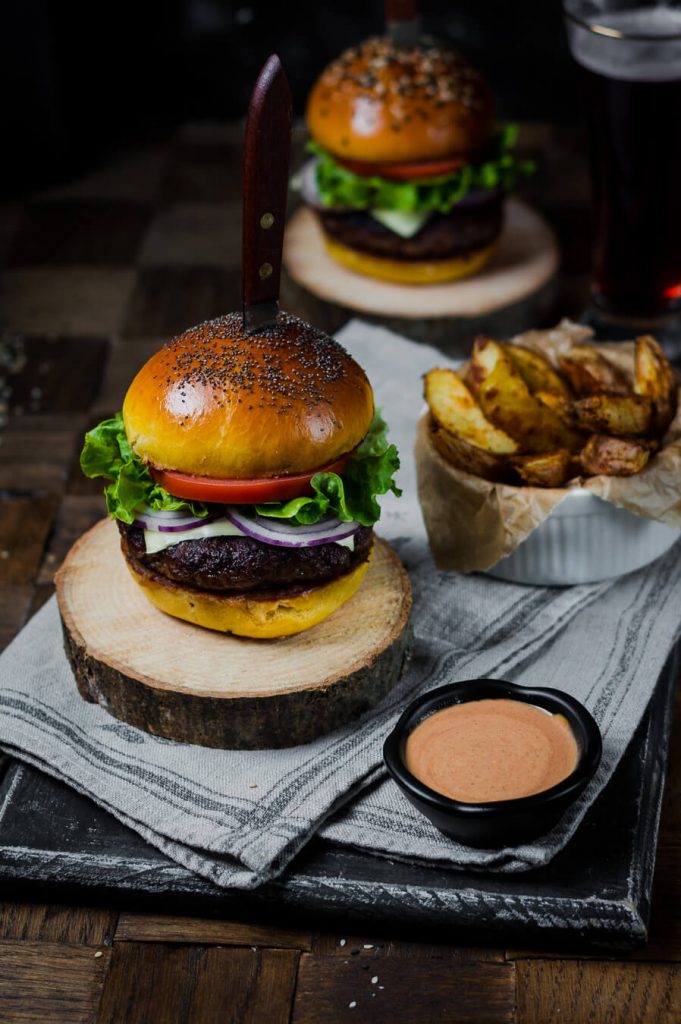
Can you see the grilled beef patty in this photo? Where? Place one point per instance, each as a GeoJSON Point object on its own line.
{"type": "Point", "coordinates": [242, 564]}
{"type": "Point", "coordinates": [468, 227]}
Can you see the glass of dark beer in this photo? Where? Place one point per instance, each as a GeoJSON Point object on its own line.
{"type": "Point", "coordinates": [630, 56]}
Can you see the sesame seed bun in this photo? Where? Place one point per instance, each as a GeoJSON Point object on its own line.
{"type": "Point", "coordinates": [379, 103]}
{"type": "Point", "coordinates": [219, 402]}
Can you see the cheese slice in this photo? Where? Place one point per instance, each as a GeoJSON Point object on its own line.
{"type": "Point", "coordinates": [406, 225]}
{"type": "Point", "coordinates": [156, 541]}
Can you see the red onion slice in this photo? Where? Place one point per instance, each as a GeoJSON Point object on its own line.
{"type": "Point", "coordinates": [290, 535]}
{"type": "Point", "coordinates": [170, 520]}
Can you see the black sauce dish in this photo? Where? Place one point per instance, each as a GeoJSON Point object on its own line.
{"type": "Point", "coordinates": [504, 822]}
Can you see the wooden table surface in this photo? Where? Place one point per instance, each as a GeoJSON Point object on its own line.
{"type": "Point", "coordinates": [96, 275]}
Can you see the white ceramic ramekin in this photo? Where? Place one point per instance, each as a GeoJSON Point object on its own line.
{"type": "Point", "coordinates": [585, 539]}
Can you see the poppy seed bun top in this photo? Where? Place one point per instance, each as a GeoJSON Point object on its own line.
{"type": "Point", "coordinates": [384, 104]}
{"type": "Point", "coordinates": [222, 403]}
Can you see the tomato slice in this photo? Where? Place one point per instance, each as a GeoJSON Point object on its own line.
{"type": "Point", "coordinates": [241, 492]}
{"type": "Point", "coordinates": [404, 172]}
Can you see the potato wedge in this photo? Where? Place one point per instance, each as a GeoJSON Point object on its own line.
{"type": "Point", "coordinates": [622, 415]}
{"type": "Point", "coordinates": [505, 399]}
{"type": "Point", "coordinates": [591, 373]}
{"type": "Point", "coordinates": [455, 409]}
{"type": "Point", "coordinates": [550, 469]}
{"type": "Point", "coordinates": [615, 456]}
{"type": "Point", "coordinates": [536, 371]}
{"type": "Point", "coordinates": [655, 379]}
{"type": "Point", "coordinates": [492, 466]}
{"type": "Point", "coordinates": [562, 407]}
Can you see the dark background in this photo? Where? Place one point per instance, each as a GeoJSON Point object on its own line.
{"type": "Point", "coordinates": [81, 80]}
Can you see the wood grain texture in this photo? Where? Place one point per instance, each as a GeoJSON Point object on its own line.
{"type": "Point", "coordinates": [49, 983]}
{"type": "Point", "coordinates": [198, 686]}
{"type": "Point", "coordinates": [593, 992]}
{"type": "Point", "coordinates": [204, 932]}
{"type": "Point", "coordinates": [126, 358]}
{"type": "Point", "coordinates": [36, 451]}
{"type": "Point", "coordinates": [156, 984]}
{"type": "Point", "coordinates": [334, 989]}
{"type": "Point", "coordinates": [204, 170]}
{"type": "Point", "coordinates": [65, 300]}
{"type": "Point", "coordinates": [167, 300]}
{"type": "Point", "coordinates": [24, 525]}
{"type": "Point", "coordinates": [665, 919]}
{"type": "Point", "coordinates": [102, 233]}
{"type": "Point", "coordinates": [40, 387]}
{"type": "Point", "coordinates": [671, 806]}
{"type": "Point", "coordinates": [39, 922]}
{"type": "Point", "coordinates": [349, 944]}
{"type": "Point", "coordinates": [15, 603]}
{"type": "Point", "coordinates": [77, 513]}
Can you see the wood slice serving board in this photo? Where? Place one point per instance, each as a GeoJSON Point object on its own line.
{"type": "Point", "coordinates": [515, 291]}
{"type": "Point", "coordinates": [194, 685]}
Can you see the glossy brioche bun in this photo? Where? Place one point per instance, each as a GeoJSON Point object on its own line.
{"type": "Point", "coordinates": [247, 614]}
{"type": "Point", "coordinates": [409, 271]}
{"type": "Point", "coordinates": [378, 103]}
{"type": "Point", "coordinates": [222, 403]}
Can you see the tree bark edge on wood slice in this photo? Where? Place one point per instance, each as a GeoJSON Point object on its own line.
{"type": "Point", "coordinates": [281, 718]}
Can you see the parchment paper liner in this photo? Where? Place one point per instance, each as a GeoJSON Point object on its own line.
{"type": "Point", "coordinates": [472, 523]}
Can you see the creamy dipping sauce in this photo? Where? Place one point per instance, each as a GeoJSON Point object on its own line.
{"type": "Point", "coordinates": [493, 749]}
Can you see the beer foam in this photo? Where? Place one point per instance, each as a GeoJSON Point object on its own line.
{"type": "Point", "coordinates": [605, 48]}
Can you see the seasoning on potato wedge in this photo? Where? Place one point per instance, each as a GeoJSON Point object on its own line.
{"type": "Point", "coordinates": [548, 470]}
{"type": "Point", "coordinates": [455, 409]}
{"type": "Point", "coordinates": [590, 373]}
{"type": "Point", "coordinates": [622, 415]}
{"type": "Point", "coordinates": [506, 400]}
{"type": "Point", "coordinates": [537, 371]}
{"type": "Point", "coordinates": [493, 466]}
{"type": "Point", "coordinates": [615, 456]}
{"type": "Point", "coordinates": [654, 378]}
{"type": "Point", "coordinates": [523, 418]}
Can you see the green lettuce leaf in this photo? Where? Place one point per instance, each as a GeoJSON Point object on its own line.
{"type": "Point", "coordinates": [340, 187]}
{"type": "Point", "coordinates": [368, 473]}
{"type": "Point", "coordinates": [107, 453]}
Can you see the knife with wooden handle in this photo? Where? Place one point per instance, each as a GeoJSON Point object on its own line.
{"type": "Point", "coordinates": [267, 147]}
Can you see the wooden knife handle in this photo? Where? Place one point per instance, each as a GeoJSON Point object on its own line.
{"type": "Point", "coordinates": [401, 10]}
{"type": "Point", "coordinates": [267, 147]}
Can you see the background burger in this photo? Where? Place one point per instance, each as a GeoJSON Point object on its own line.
{"type": "Point", "coordinates": [244, 470]}
{"type": "Point", "coordinates": [409, 172]}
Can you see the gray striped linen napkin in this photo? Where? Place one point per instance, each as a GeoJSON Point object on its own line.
{"type": "Point", "coordinates": [237, 817]}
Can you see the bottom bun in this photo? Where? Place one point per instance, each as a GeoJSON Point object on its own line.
{"type": "Point", "coordinates": [409, 271]}
{"type": "Point", "coordinates": [246, 614]}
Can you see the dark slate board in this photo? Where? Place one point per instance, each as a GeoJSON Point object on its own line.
{"type": "Point", "coordinates": [57, 845]}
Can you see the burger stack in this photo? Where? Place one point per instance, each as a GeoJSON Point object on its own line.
{"type": "Point", "coordinates": [409, 172]}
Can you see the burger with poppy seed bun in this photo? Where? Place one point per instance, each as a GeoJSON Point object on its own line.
{"type": "Point", "coordinates": [243, 472]}
{"type": "Point", "coordinates": [409, 173]}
